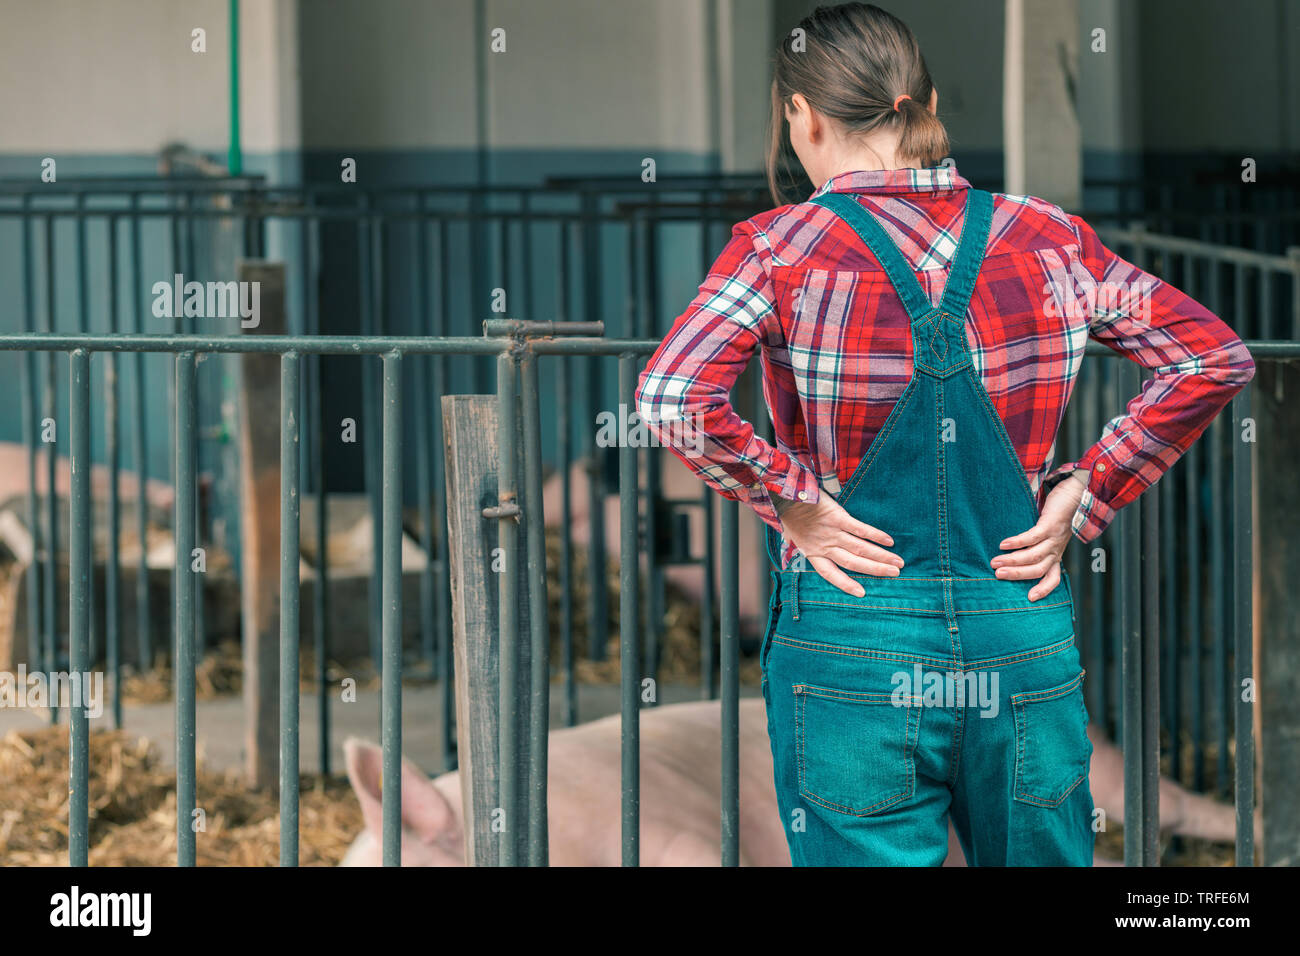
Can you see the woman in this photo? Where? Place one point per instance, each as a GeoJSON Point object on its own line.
{"type": "Point", "coordinates": [919, 342]}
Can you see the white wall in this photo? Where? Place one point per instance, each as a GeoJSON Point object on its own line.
{"type": "Point", "coordinates": [120, 77]}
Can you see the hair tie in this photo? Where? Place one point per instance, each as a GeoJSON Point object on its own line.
{"type": "Point", "coordinates": [899, 100]}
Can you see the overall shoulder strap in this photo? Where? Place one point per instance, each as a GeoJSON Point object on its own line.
{"type": "Point", "coordinates": [966, 261]}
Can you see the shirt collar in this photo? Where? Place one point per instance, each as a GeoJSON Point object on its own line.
{"type": "Point", "coordinates": [912, 180]}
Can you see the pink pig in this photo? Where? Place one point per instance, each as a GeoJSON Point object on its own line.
{"type": "Point", "coordinates": [680, 796]}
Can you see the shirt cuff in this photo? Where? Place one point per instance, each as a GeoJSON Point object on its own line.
{"type": "Point", "coordinates": [1094, 512]}
{"type": "Point", "coordinates": [800, 485]}
{"type": "Point", "coordinates": [1091, 518]}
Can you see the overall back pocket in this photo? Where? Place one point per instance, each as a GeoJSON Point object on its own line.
{"type": "Point", "coordinates": [855, 750]}
{"type": "Point", "coordinates": [1052, 746]}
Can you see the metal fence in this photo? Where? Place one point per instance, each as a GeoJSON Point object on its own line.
{"type": "Point", "coordinates": [1137, 576]}
{"type": "Point", "coordinates": [1261, 292]}
{"type": "Point", "coordinates": [414, 260]}
{"type": "Point", "coordinates": [469, 239]}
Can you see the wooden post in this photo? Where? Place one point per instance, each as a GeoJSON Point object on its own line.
{"type": "Point", "coordinates": [470, 432]}
{"type": "Point", "coordinates": [259, 453]}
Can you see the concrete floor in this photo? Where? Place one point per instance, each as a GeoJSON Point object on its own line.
{"type": "Point", "coordinates": [220, 724]}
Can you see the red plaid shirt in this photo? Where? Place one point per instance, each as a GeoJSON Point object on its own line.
{"type": "Point", "coordinates": [796, 285]}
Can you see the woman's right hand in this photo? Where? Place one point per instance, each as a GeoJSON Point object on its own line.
{"type": "Point", "coordinates": [831, 539]}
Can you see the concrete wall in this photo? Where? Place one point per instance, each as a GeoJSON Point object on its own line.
{"type": "Point", "coordinates": [99, 82]}
{"type": "Point", "coordinates": [1220, 77]}
{"type": "Point", "coordinates": [89, 79]}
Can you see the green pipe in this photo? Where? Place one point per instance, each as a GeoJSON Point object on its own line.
{"type": "Point", "coordinates": [235, 158]}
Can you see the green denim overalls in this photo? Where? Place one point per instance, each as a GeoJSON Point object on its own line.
{"type": "Point", "coordinates": [943, 690]}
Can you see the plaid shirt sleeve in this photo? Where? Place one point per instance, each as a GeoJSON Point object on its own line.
{"type": "Point", "coordinates": [684, 393]}
{"type": "Point", "coordinates": [1199, 364]}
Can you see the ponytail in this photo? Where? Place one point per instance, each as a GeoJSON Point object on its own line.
{"type": "Point", "coordinates": [852, 63]}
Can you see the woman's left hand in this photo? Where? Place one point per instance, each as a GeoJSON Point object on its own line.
{"type": "Point", "coordinates": [1037, 552]}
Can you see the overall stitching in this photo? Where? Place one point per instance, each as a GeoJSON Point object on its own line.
{"type": "Point", "coordinates": [911, 735]}
{"type": "Point", "coordinates": [902, 657]}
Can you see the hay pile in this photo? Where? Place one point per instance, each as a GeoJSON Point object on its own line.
{"type": "Point", "coordinates": [220, 670]}
{"type": "Point", "coordinates": [218, 673]}
{"type": "Point", "coordinates": [679, 642]}
{"type": "Point", "coordinates": [1177, 851]}
{"type": "Point", "coordinates": [133, 808]}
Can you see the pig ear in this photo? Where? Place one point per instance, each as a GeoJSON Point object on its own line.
{"type": "Point", "coordinates": [365, 766]}
{"type": "Point", "coordinates": [424, 809]}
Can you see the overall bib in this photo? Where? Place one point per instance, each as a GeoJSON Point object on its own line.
{"type": "Point", "coordinates": [943, 691]}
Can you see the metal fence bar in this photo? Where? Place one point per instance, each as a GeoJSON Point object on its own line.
{"type": "Point", "coordinates": [730, 654]}
{"type": "Point", "coordinates": [1219, 607]}
{"type": "Point", "coordinates": [539, 621]}
{"type": "Point", "coordinates": [1194, 247]}
{"type": "Point", "coordinates": [708, 642]}
{"type": "Point", "coordinates": [564, 453]}
{"type": "Point", "coordinates": [113, 459]}
{"type": "Point", "coordinates": [424, 460]}
{"type": "Point", "coordinates": [1293, 254]}
{"type": "Point", "coordinates": [597, 603]}
{"type": "Point", "coordinates": [391, 679]}
{"type": "Point", "coordinates": [1129, 591]}
{"type": "Point", "coordinates": [1150, 714]}
{"type": "Point", "coordinates": [508, 607]}
{"type": "Point", "coordinates": [83, 325]}
{"type": "Point", "coordinates": [30, 429]}
{"type": "Point", "coordinates": [1167, 554]}
{"type": "Point", "coordinates": [1242, 630]}
{"type": "Point", "coordinates": [441, 386]}
{"type": "Point", "coordinates": [371, 299]}
{"type": "Point", "coordinates": [1140, 679]}
{"type": "Point", "coordinates": [140, 455]}
{"type": "Point", "coordinates": [79, 559]}
{"type": "Point", "coordinates": [1195, 642]}
{"type": "Point", "coordinates": [316, 441]}
{"type": "Point", "coordinates": [629, 619]}
{"type": "Point", "coordinates": [290, 422]}
{"type": "Point", "coordinates": [51, 469]}
{"type": "Point", "coordinates": [184, 584]}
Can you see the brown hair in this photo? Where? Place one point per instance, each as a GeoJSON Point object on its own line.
{"type": "Point", "coordinates": [851, 62]}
